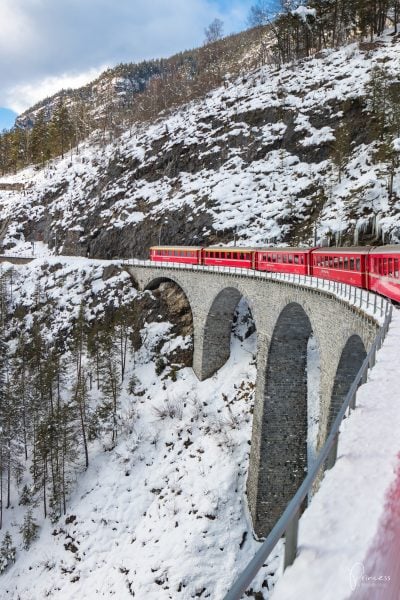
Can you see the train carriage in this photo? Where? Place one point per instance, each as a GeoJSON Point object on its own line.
{"type": "Point", "coordinates": [384, 271]}
{"type": "Point", "coordinates": [190, 255]}
{"type": "Point", "coordinates": [228, 257]}
{"type": "Point", "coordinates": [283, 260]}
{"type": "Point", "coordinates": [347, 265]}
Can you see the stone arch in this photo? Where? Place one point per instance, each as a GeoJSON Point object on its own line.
{"type": "Point", "coordinates": [173, 296]}
{"type": "Point", "coordinates": [351, 359]}
{"type": "Point", "coordinates": [283, 424]}
{"type": "Point", "coordinates": [217, 330]}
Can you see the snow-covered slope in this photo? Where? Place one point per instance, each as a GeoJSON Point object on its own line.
{"type": "Point", "coordinates": [161, 515]}
{"type": "Point", "coordinates": [252, 160]}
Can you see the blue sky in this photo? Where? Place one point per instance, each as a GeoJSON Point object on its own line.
{"type": "Point", "coordinates": [46, 45]}
{"type": "Point", "coordinates": [7, 118]}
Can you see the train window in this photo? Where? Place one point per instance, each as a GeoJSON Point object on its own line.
{"type": "Point", "coordinates": [358, 264]}
{"type": "Point", "coordinates": [302, 259]}
{"type": "Point", "coordinates": [228, 255]}
{"type": "Point", "coordinates": [351, 264]}
{"type": "Point", "coordinates": [284, 258]}
{"type": "Point", "coordinates": [336, 262]}
{"type": "Point", "coordinates": [390, 267]}
{"type": "Point", "coordinates": [274, 258]}
{"type": "Point", "coordinates": [241, 256]}
{"type": "Point", "coordinates": [346, 263]}
{"type": "Point", "coordinates": [330, 262]}
{"type": "Point", "coordinates": [396, 267]}
{"type": "Point", "coordinates": [264, 257]}
{"type": "Point", "coordinates": [279, 258]}
{"type": "Point", "coordinates": [290, 259]}
{"type": "Point", "coordinates": [296, 259]}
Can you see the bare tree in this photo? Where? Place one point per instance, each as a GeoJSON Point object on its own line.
{"type": "Point", "coordinates": [260, 14]}
{"type": "Point", "coordinates": [214, 31]}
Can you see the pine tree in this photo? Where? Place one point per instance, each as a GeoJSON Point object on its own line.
{"type": "Point", "coordinates": [25, 497]}
{"type": "Point", "coordinates": [39, 143]}
{"type": "Point", "coordinates": [111, 390]}
{"type": "Point", "coordinates": [29, 530]}
{"type": "Point", "coordinates": [61, 129]}
{"type": "Point", "coordinates": [7, 552]}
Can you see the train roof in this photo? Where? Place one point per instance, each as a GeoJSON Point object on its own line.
{"type": "Point", "coordinates": [350, 250]}
{"type": "Point", "coordinates": [175, 247]}
{"type": "Point", "coordinates": [386, 249]}
{"type": "Point", "coordinates": [229, 248]}
{"type": "Point", "coordinates": [256, 249]}
{"type": "Point", "coordinates": [294, 249]}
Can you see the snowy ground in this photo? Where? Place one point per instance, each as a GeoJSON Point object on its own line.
{"type": "Point", "coordinates": [163, 515]}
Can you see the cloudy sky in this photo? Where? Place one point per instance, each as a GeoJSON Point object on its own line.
{"type": "Point", "coordinates": [49, 44]}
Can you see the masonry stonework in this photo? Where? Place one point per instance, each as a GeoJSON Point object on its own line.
{"type": "Point", "coordinates": [285, 316]}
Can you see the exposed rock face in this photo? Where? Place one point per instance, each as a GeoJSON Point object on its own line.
{"type": "Point", "coordinates": [253, 162]}
{"type": "Point", "coordinates": [168, 303]}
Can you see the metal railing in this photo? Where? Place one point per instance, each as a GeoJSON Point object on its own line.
{"type": "Point", "coordinates": [287, 525]}
{"type": "Point", "coordinates": [372, 304]}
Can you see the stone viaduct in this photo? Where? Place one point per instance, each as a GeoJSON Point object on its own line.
{"type": "Point", "coordinates": [286, 317]}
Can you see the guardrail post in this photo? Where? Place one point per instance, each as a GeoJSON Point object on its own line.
{"type": "Point", "coordinates": [332, 456]}
{"type": "Point", "coordinates": [352, 403]}
{"type": "Point", "coordinates": [372, 359]}
{"type": "Point", "coordinates": [365, 374]}
{"type": "Point", "coordinates": [291, 536]}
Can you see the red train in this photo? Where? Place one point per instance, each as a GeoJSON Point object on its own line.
{"type": "Point", "coordinates": [373, 268]}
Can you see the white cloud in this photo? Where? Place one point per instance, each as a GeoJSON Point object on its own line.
{"type": "Point", "coordinates": [24, 95]}
{"type": "Point", "coordinates": [49, 44]}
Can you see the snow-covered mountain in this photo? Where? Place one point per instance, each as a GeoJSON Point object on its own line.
{"type": "Point", "coordinates": [252, 161]}
{"type": "Point", "coordinates": [277, 155]}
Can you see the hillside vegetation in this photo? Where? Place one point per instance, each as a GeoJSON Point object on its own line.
{"type": "Point", "coordinates": [296, 153]}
